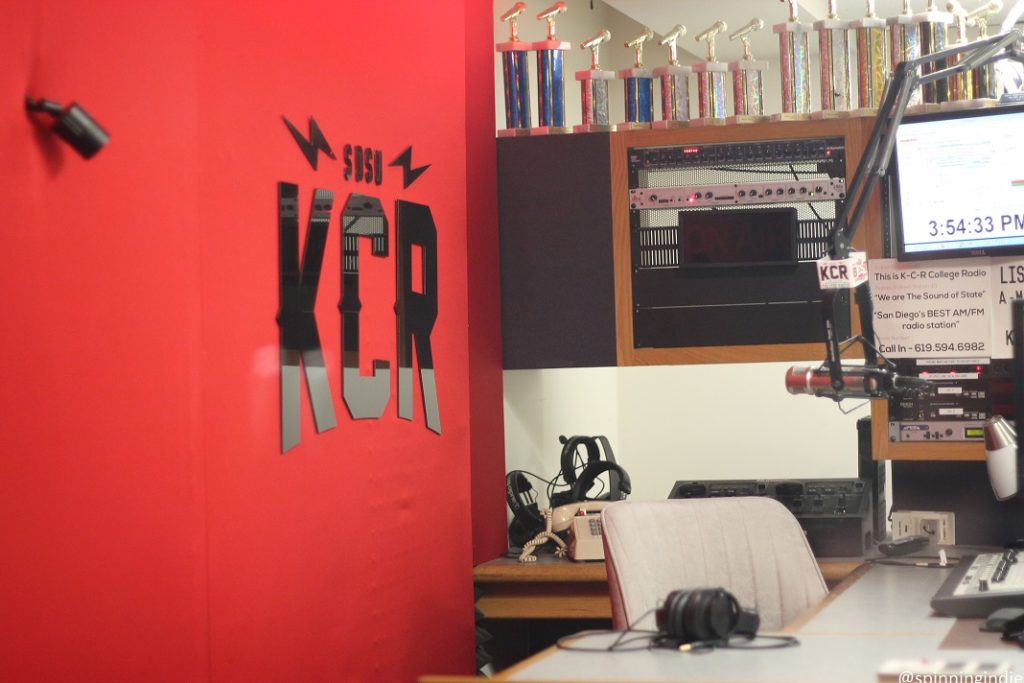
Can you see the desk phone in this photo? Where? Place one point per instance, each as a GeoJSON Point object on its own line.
{"type": "Point", "coordinates": [981, 584]}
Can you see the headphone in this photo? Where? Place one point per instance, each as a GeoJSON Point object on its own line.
{"type": "Point", "coordinates": [705, 615]}
{"type": "Point", "coordinates": [618, 479]}
{"type": "Point", "coordinates": [527, 521]}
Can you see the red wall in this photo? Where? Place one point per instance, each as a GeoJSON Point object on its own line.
{"type": "Point", "coordinates": [152, 529]}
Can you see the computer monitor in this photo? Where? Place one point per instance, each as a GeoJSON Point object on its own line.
{"type": "Point", "coordinates": [958, 184]}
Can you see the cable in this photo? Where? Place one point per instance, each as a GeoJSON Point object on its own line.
{"type": "Point", "coordinates": [657, 639]}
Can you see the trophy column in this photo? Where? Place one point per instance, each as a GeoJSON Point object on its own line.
{"type": "Point", "coordinates": [835, 50]}
{"type": "Point", "coordinates": [794, 67]}
{"type": "Point", "coordinates": [905, 45]}
{"type": "Point", "coordinates": [515, 75]}
{"type": "Point", "coordinates": [638, 87]}
{"type": "Point", "coordinates": [872, 62]}
{"type": "Point", "coordinates": [985, 85]}
{"type": "Point", "coordinates": [747, 79]}
{"type": "Point", "coordinates": [961, 85]}
{"type": "Point", "coordinates": [550, 78]}
{"type": "Point", "coordinates": [594, 89]}
{"type": "Point", "coordinates": [675, 85]}
{"type": "Point", "coordinates": [933, 25]}
{"type": "Point", "coordinates": [711, 75]}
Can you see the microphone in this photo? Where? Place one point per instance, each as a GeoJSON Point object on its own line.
{"type": "Point", "coordinates": [859, 381]}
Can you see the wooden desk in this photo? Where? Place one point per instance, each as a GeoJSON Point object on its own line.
{"type": "Point", "coordinates": [880, 613]}
{"type": "Point", "coordinates": [553, 588]}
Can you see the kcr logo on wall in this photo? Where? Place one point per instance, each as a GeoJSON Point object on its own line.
{"type": "Point", "coordinates": [361, 216]}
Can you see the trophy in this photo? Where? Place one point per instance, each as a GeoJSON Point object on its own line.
{"type": "Point", "coordinates": [794, 66]}
{"type": "Point", "coordinates": [961, 85]}
{"type": "Point", "coordinates": [985, 86]}
{"type": "Point", "coordinates": [905, 45]}
{"type": "Point", "coordinates": [836, 71]}
{"type": "Point", "coordinates": [675, 84]}
{"type": "Point", "coordinates": [594, 88]}
{"type": "Point", "coordinates": [711, 94]}
{"type": "Point", "coordinates": [933, 25]}
{"type": "Point", "coordinates": [638, 85]}
{"type": "Point", "coordinates": [747, 79]}
{"type": "Point", "coordinates": [550, 80]}
{"type": "Point", "coordinates": [872, 64]}
{"type": "Point", "coordinates": [516, 76]}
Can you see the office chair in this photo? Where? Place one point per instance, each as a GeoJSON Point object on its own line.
{"type": "Point", "coordinates": [752, 547]}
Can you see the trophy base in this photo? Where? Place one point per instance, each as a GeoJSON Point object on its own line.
{"type": "Point", "coordinates": [958, 105]}
{"type": "Point", "coordinates": [864, 111]}
{"type": "Point", "coordinates": [744, 118]}
{"type": "Point", "coordinates": [923, 108]}
{"type": "Point", "coordinates": [514, 132]}
{"type": "Point", "coordinates": [707, 121]}
{"type": "Point", "coordinates": [671, 123]}
{"type": "Point", "coordinates": [550, 130]}
{"type": "Point", "coordinates": [633, 125]}
{"type": "Point", "coordinates": [831, 114]}
{"type": "Point", "coordinates": [593, 128]}
{"type": "Point", "coordinates": [790, 116]}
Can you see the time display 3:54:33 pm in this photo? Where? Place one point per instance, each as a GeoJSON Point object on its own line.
{"type": "Point", "coordinates": [976, 225]}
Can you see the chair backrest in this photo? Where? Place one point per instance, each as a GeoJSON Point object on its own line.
{"type": "Point", "coordinates": [752, 547]}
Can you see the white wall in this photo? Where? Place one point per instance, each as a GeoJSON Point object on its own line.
{"type": "Point", "coordinates": [666, 423]}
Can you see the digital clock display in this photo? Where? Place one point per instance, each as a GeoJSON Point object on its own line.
{"type": "Point", "coordinates": [959, 184]}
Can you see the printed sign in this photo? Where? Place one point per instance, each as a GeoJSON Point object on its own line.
{"type": "Point", "coordinates": [932, 309]}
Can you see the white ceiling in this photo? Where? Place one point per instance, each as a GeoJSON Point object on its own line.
{"type": "Point", "coordinates": [698, 15]}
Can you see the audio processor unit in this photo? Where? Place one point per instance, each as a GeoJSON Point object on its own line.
{"type": "Point", "coordinates": [723, 239]}
{"type": "Point", "coordinates": [836, 514]}
{"type": "Point", "coordinates": [961, 395]}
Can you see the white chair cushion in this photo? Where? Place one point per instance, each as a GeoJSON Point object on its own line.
{"type": "Point", "coordinates": [752, 547]}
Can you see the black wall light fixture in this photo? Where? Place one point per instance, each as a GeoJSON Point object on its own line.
{"type": "Point", "coordinates": [72, 124]}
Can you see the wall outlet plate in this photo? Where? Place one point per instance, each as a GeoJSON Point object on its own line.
{"type": "Point", "coordinates": [940, 527]}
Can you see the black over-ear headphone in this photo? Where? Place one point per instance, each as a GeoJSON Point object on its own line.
{"type": "Point", "coordinates": [705, 615]}
{"type": "Point", "coordinates": [527, 521]}
{"type": "Point", "coordinates": [618, 479]}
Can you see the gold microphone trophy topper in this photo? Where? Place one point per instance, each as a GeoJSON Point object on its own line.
{"type": "Point", "coordinates": [515, 73]}
{"type": "Point", "coordinates": [794, 66]}
{"type": "Point", "coordinates": [550, 79]}
{"type": "Point", "coordinates": [594, 88]}
{"type": "Point", "coordinates": [747, 79]}
{"type": "Point", "coordinates": [711, 92]}
{"type": "Point", "coordinates": [638, 86]}
{"type": "Point", "coordinates": [675, 84]}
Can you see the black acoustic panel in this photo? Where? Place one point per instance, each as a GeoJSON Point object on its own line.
{"type": "Point", "coordinates": [730, 306]}
{"type": "Point", "coordinates": [964, 489]}
{"type": "Point", "coordinates": [557, 271]}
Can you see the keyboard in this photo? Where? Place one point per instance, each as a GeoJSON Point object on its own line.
{"type": "Point", "coordinates": [981, 584]}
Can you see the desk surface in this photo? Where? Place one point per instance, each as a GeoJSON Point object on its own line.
{"type": "Point", "coordinates": [882, 613]}
{"type": "Point", "coordinates": [557, 588]}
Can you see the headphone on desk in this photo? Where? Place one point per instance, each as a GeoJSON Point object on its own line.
{"type": "Point", "coordinates": [703, 615]}
{"type": "Point", "coordinates": [618, 478]}
{"type": "Point", "coordinates": [527, 520]}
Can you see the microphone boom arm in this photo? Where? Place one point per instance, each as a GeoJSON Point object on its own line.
{"type": "Point", "coordinates": [871, 168]}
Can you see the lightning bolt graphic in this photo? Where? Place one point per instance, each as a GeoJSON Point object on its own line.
{"type": "Point", "coordinates": [316, 141]}
{"type": "Point", "coordinates": [409, 174]}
